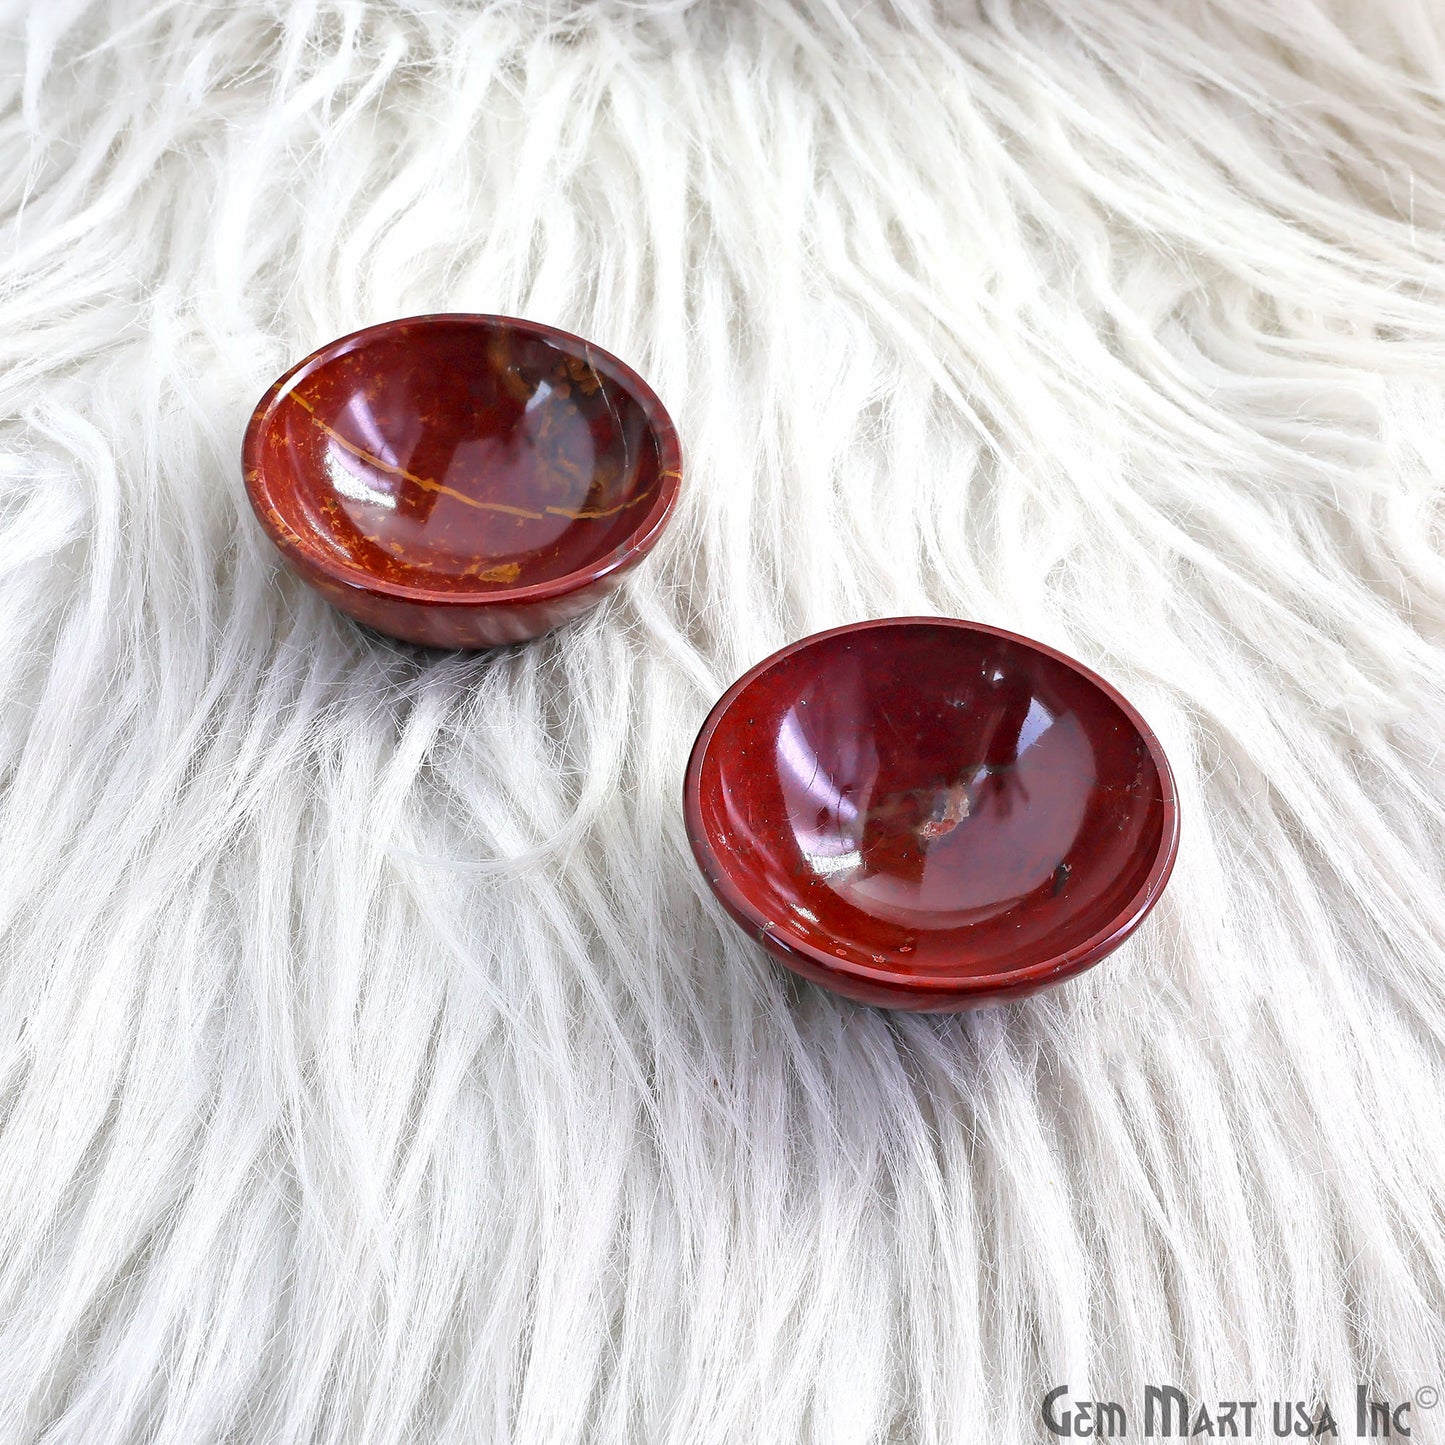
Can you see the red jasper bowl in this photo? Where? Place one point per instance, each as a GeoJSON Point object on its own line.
{"type": "Point", "coordinates": [462, 481]}
{"type": "Point", "coordinates": [929, 814]}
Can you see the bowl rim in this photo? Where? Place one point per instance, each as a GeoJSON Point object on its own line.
{"type": "Point", "coordinates": [778, 931]}
{"type": "Point", "coordinates": [300, 546]}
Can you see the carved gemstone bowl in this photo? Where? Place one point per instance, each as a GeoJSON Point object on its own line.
{"type": "Point", "coordinates": [930, 814]}
{"type": "Point", "coordinates": [462, 481]}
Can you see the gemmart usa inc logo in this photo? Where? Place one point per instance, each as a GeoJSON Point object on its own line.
{"type": "Point", "coordinates": [1168, 1413]}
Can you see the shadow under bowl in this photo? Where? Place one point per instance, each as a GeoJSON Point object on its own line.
{"type": "Point", "coordinates": [460, 480]}
{"type": "Point", "coordinates": [930, 814]}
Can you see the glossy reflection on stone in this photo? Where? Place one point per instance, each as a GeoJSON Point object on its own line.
{"type": "Point", "coordinates": [462, 480]}
{"type": "Point", "coordinates": [925, 813]}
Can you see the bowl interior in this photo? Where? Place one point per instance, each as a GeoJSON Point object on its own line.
{"type": "Point", "coordinates": [929, 799]}
{"type": "Point", "coordinates": [463, 454]}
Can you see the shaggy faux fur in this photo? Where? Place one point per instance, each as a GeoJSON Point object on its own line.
{"type": "Point", "coordinates": [376, 1067]}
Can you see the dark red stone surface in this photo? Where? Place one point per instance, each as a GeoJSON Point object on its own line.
{"type": "Point", "coordinates": [462, 481]}
{"type": "Point", "coordinates": [930, 814]}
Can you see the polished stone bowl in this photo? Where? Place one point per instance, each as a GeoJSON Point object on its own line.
{"type": "Point", "coordinates": [930, 814]}
{"type": "Point", "coordinates": [462, 481]}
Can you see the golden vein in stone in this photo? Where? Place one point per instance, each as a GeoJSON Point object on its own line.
{"type": "Point", "coordinates": [584, 514]}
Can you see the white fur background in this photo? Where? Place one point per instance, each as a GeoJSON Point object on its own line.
{"type": "Point", "coordinates": [373, 1066]}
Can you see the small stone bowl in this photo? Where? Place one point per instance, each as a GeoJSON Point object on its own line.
{"type": "Point", "coordinates": [462, 481]}
{"type": "Point", "coordinates": [930, 814]}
